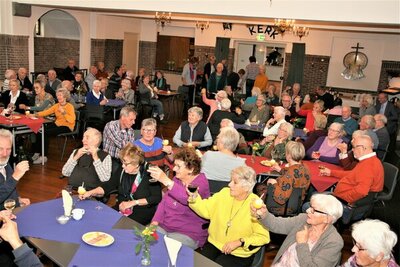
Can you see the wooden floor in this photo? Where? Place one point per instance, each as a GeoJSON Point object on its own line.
{"type": "Point", "coordinates": [42, 182]}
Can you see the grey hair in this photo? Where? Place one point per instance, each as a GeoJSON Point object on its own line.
{"type": "Point", "coordinates": [380, 239]}
{"type": "Point", "coordinates": [247, 177]}
{"type": "Point", "coordinates": [6, 134]}
{"type": "Point", "coordinates": [9, 73]}
{"type": "Point", "coordinates": [340, 126]}
{"type": "Point", "coordinates": [196, 110]}
{"type": "Point", "coordinates": [289, 129]}
{"type": "Point", "coordinates": [222, 94]}
{"type": "Point", "coordinates": [225, 104]}
{"type": "Point", "coordinates": [264, 99]}
{"type": "Point", "coordinates": [228, 123]}
{"type": "Point", "coordinates": [126, 110]}
{"type": "Point", "coordinates": [65, 93]}
{"type": "Point", "coordinates": [127, 82]}
{"type": "Point", "coordinates": [96, 133]}
{"type": "Point", "coordinates": [330, 205]}
{"type": "Point", "coordinates": [97, 82]}
{"type": "Point", "coordinates": [320, 121]}
{"type": "Point", "coordinates": [368, 98]}
{"type": "Point", "coordinates": [359, 133]}
{"type": "Point", "coordinates": [149, 122]}
{"type": "Point", "coordinates": [255, 91]}
{"type": "Point", "coordinates": [129, 73]}
{"type": "Point", "coordinates": [280, 110]}
{"type": "Point", "coordinates": [229, 138]}
{"type": "Point", "coordinates": [380, 117]}
{"type": "Point", "coordinates": [369, 120]}
{"type": "Point", "coordinates": [296, 150]}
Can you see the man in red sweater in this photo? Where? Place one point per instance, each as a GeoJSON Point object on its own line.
{"type": "Point", "coordinates": [367, 176]}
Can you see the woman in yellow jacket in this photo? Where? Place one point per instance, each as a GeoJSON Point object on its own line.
{"type": "Point", "coordinates": [64, 122]}
{"type": "Point", "coordinates": [234, 235]}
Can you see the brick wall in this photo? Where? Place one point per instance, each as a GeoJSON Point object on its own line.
{"type": "Point", "coordinates": [13, 53]}
{"type": "Point", "coordinates": [387, 66]}
{"type": "Point", "coordinates": [106, 50]}
{"type": "Point", "coordinates": [97, 51]}
{"type": "Point", "coordinates": [315, 72]}
{"type": "Point", "coordinates": [54, 53]}
{"type": "Point", "coordinates": [147, 55]}
{"type": "Point", "coordinates": [203, 52]}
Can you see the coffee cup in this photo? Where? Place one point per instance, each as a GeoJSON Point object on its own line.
{"type": "Point", "coordinates": [77, 214]}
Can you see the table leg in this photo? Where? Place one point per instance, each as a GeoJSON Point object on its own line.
{"type": "Point", "coordinates": [43, 144]}
{"type": "Point", "coordinates": [14, 153]}
{"type": "Point", "coordinates": [114, 112]}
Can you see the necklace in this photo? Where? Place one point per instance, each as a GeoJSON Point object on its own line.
{"type": "Point", "coordinates": [229, 222]}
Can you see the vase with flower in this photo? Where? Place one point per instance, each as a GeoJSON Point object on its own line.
{"type": "Point", "coordinates": [147, 236]}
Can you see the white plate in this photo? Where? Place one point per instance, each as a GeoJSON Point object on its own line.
{"type": "Point", "coordinates": [98, 239]}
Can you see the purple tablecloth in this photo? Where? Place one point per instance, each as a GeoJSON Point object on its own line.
{"type": "Point", "coordinates": [39, 220]}
{"type": "Point", "coordinates": [115, 103]}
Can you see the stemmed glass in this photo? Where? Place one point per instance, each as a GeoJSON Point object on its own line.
{"type": "Point", "coordinates": [153, 166]}
{"type": "Point", "coordinates": [11, 108]}
{"type": "Point", "coordinates": [9, 204]}
{"type": "Point", "coordinates": [192, 189]}
{"type": "Point", "coordinates": [317, 155]}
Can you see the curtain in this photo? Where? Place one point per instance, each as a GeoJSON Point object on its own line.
{"type": "Point", "coordinates": [296, 67]}
{"type": "Point", "coordinates": [222, 48]}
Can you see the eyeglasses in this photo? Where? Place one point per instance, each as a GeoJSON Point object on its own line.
{"type": "Point", "coordinates": [354, 147]}
{"type": "Point", "coordinates": [355, 244]}
{"type": "Point", "coordinates": [179, 167]}
{"type": "Point", "coordinates": [313, 211]}
{"type": "Point", "coordinates": [130, 163]}
{"type": "Point", "coordinates": [149, 130]}
{"type": "Point", "coordinates": [333, 130]}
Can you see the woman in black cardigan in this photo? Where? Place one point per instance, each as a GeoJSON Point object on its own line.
{"type": "Point", "coordinates": [14, 92]}
{"type": "Point", "coordinates": [137, 196]}
{"type": "Point", "coordinates": [159, 81]}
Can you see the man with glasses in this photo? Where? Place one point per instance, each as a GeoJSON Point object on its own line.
{"type": "Point", "coordinates": [367, 176]}
{"type": "Point", "coordinates": [88, 164]}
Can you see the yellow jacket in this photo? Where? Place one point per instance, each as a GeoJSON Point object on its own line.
{"type": "Point", "coordinates": [67, 119]}
{"type": "Point", "coordinates": [219, 209]}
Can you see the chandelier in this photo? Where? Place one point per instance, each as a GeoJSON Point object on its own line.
{"type": "Point", "coordinates": [162, 18]}
{"type": "Point", "coordinates": [301, 31]}
{"type": "Point", "coordinates": [202, 25]}
{"type": "Point", "coordinates": [283, 25]}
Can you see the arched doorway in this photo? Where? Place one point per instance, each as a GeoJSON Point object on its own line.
{"type": "Point", "coordinates": [56, 39]}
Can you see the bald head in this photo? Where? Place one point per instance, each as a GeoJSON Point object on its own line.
{"type": "Point", "coordinates": [346, 112]}
{"type": "Point", "coordinates": [362, 145]}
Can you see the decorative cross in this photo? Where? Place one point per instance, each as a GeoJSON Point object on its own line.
{"type": "Point", "coordinates": [358, 47]}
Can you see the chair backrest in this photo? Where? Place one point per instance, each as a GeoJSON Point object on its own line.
{"type": "Point", "coordinates": [216, 186]}
{"type": "Point", "coordinates": [391, 175]}
{"type": "Point", "coordinates": [258, 260]}
{"type": "Point", "coordinates": [94, 112]}
{"type": "Point", "coordinates": [77, 122]}
{"type": "Point", "coordinates": [381, 153]}
{"type": "Point", "coordinates": [292, 207]}
{"type": "Point", "coordinates": [361, 209]}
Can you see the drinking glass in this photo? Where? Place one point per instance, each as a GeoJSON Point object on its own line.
{"type": "Point", "coordinates": [317, 155]}
{"type": "Point", "coordinates": [9, 204]}
{"type": "Point", "coordinates": [153, 166]}
{"type": "Point", "coordinates": [192, 189]}
{"type": "Point", "coordinates": [11, 107]}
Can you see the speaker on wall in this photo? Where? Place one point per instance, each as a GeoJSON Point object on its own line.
{"type": "Point", "coordinates": [21, 10]}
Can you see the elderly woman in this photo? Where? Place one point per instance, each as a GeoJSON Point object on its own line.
{"type": "Point", "coordinates": [64, 123]}
{"type": "Point", "coordinates": [272, 126]}
{"type": "Point", "coordinates": [249, 103]}
{"type": "Point", "coordinates": [320, 122]}
{"type": "Point", "coordinates": [88, 164]}
{"type": "Point", "coordinates": [154, 150]}
{"type": "Point", "coordinates": [325, 148]}
{"type": "Point", "coordinates": [194, 131]}
{"type": "Point", "coordinates": [227, 141]}
{"type": "Point", "coordinates": [126, 93]}
{"type": "Point", "coordinates": [14, 97]}
{"type": "Point", "coordinates": [43, 100]}
{"type": "Point", "coordinates": [318, 107]}
{"type": "Point", "coordinates": [214, 104]}
{"type": "Point", "coordinates": [311, 240]}
{"type": "Point", "coordinates": [274, 146]}
{"type": "Point", "coordinates": [148, 95]}
{"type": "Point", "coordinates": [137, 196]}
{"type": "Point", "coordinates": [260, 112]}
{"type": "Point", "coordinates": [272, 97]}
{"type": "Point", "coordinates": [225, 113]}
{"type": "Point", "coordinates": [9, 75]}
{"type": "Point", "coordinates": [173, 216]}
{"type": "Point", "coordinates": [96, 97]}
{"type": "Point", "coordinates": [373, 242]}
{"type": "Point", "coordinates": [367, 106]}
{"type": "Point", "coordinates": [233, 235]}
{"type": "Point", "coordinates": [296, 175]}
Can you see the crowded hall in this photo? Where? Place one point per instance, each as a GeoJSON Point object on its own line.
{"type": "Point", "coordinates": [172, 133]}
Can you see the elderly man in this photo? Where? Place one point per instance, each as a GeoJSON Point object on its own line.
{"type": "Point", "coordinates": [350, 124]}
{"type": "Point", "coordinates": [367, 176]}
{"type": "Point", "coordinates": [24, 81]}
{"type": "Point", "coordinates": [261, 80]}
{"type": "Point", "coordinates": [217, 80]}
{"type": "Point", "coordinates": [290, 110]}
{"type": "Point", "coordinates": [52, 83]}
{"type": "Point", "coordinates": [9, 177]}
{"type": "Point", "coordinates": [91, 77]}
{"type": "Point", "coordinates": [389, 110]}
{"type": "Point", "coordinates": [367, 123]}
{"type": "Point", "coordinates": [88, 164]}
{"type": "Point", "coordinates": [70, 70]}
{"type": "Point", "coordinates": [272, 126]}
{"type": "Point", "coordinates": [382, 133]}
{"type": "Point", "coordinates": [101, 71]}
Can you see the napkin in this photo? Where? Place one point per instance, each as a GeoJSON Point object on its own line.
{"type": "Point", "coordinates": [67, 201]}
{"type": "Point", "coordinates": [173, 247]}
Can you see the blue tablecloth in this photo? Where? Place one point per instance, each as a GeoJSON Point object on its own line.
{"type": "Point", "coordinates": [39, 220]}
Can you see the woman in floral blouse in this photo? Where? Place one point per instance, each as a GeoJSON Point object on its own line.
{"type": "Point", "coordinates": [273, 146]}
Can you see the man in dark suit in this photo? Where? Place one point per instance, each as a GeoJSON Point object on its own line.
{"type": "Point", "coordinates": [69, 71]}
{"type": "Point", "coordinates": [382, 133]}
{"type": "Point", "coordinates": [386, 108]}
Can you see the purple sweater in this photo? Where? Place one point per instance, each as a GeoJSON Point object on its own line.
{"type": "Point", "coordinates": [316, 147]}
{"type": "Point", "coordinates": [174, 215]}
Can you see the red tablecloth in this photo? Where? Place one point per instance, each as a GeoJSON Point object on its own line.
{"type": "Point", "coordinates": [22, 120]}
{"type": "Point", "coordinates": [321, 183]}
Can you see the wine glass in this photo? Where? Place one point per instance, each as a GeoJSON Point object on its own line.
{"type": "Point", "coordinates": [7, 114]}
{"type": "Point", "coordinates": [11, 107]}
{"type": "Point", "coordinates": [317, 155]}
{"type": "Point", "coordinates": [153, 167]}
{"type": "Point", "coordinates": [9, 204]}
{"type": "Point", "coordinates": [192, 189]}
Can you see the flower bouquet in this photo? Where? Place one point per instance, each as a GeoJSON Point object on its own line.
{"type": "Point", "coordinates": [148, 235]}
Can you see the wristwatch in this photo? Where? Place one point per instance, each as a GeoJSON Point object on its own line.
{"type": "Point", "coordinates": [241, 242]}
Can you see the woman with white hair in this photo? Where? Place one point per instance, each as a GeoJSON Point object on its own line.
{"type": "Point", "coordinates": [272, 126]}
{"type": "Point", "coordinates": [311, 240]}
{"type": "Point", "coordinates": [273, 146]}
{"type": "Point", "coordinates": [9, 75]}
{"type": "Point", "coordinates": [374, 248]}
{"type": "Point", "coordinates": [213, 103]}
{"type": "Point", "coordinates": [367, 106]}
{"type": "Point", "coordinates": [260, 112]}
{"type": "Point", "coordinates": [126, 93]}
{"type": "Point", "coordinates": [233, 235]}
{"type": "Point", "coordinates": [227, 141]}
{"type": "Point", "coordinates": [325, 148]}
{"type": "Point", "coordinates": [214, 123]}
